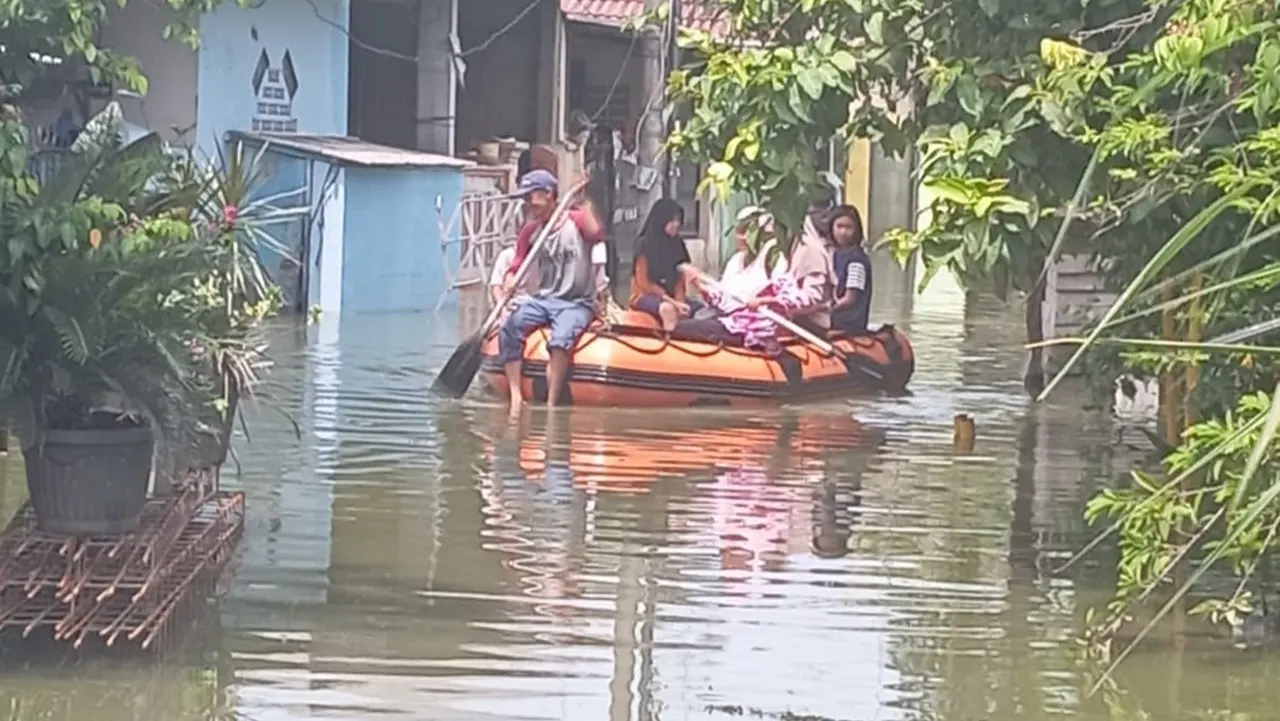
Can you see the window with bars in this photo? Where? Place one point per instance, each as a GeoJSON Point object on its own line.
{"type": "Point", "coordinates": [610, 109]}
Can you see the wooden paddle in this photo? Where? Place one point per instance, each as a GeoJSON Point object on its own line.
{"type": "Point", "coordinates": [851, 364]}
{"type": "Point", "coordinates": [461, 368]}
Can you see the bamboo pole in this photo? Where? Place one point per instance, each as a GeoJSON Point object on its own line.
{"type": "Point", "coordinates": [1195, 334]}
{"type": "Point", "coordinates": [1169, 416]}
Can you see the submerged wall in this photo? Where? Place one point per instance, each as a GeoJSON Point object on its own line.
{"type": "Point", "coordinates": [392, 259]}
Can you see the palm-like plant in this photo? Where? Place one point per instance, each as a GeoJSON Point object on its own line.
{"type": "Point", "coordinates": [147, 318]}
{"type": "Point", "coordinates": [102, 345]}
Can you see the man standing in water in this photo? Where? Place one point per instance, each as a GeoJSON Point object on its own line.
{"type": "Point", "coordinates": [563, 289]}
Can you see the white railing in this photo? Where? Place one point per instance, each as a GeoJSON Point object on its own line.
{"type": "Point", "coordinates": [480, 226]}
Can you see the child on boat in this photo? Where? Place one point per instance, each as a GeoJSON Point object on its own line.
{"type": "Point", "coordinates": [812, 267]}
{"type": "Point", "coordinates": [658, 286]}
{"type": "Point", "coordinates": [748, 271]}
{"type": "Point", "coordinates": [747, 289]}
{"type": "Point", "coordinates": [852, 306]}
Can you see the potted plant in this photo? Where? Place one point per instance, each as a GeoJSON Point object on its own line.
{"type": "Point", "coordinates": [232, 298]}
{"type": "Point", "coordinates": [97, 370]}
{"type": "Point", "coordinates": [123, 325]}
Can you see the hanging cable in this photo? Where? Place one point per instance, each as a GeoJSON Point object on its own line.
{"type": "Point", "coordinates": [480, 47]}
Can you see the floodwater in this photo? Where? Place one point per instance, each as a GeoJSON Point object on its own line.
{"type": "Point", "coordinates": [413, 559]}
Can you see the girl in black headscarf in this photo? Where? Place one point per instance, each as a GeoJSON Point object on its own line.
{"type": "Point", "coordinates": [657, 285]}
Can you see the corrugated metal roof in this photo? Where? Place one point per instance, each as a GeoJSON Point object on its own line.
{"type": "Point", "coordinates": [617, 13]}
{"type": "Point", "coordinates": [346, 150]}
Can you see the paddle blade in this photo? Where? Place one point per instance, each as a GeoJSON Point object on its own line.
{"type": "Point", "coordinates": [461, 369]}
{"type": "Point", "coordinates": [855, 366]}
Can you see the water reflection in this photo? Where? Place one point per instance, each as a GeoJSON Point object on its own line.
{"type": "Point", "coordinates": [112, 691]}
{"type": "Point", "coordinates": [682, 533]}
{"type": "Point", "coordinates": [421, 560]}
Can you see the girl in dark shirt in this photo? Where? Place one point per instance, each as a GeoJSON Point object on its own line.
{"type": "Point", "coordinates": [657, 285]}
{"type": "Point", "coordinates": [852, 306]}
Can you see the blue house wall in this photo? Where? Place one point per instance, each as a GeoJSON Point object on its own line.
{"type": "Point", "coordinates": [392, 258]}
{"type": "Point", "coordinates": [371, 235]}
{"type": "Point", "coordinates": [233, 96]}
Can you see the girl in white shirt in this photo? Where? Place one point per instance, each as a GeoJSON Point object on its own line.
{"type": "Point", "coordinates": [747, 273]}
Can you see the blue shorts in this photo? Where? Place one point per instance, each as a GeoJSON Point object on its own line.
{"type": "Point", "coordinates": [567, 320]}
{"type": "Point", "coordinates": [650, 304]}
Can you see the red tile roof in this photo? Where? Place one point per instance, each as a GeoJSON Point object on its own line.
{"type": "Point", "coordinates": [698, 14]}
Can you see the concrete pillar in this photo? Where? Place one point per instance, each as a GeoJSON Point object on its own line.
{"type": "Point", "coordinates": [891, 203]}
{"type": "Point", "coordinates": [551, 75]}
{"type": "Point", "coordinates": [437, 79]}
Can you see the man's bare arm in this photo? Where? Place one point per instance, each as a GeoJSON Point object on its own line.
{"type": "Point", "coordinates": [591, 227]}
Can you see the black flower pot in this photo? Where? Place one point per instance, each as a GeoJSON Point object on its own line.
{"type": "Point", "coordinates": [206, 452]}
{"type": "Point", "coordinates": [90, 483]}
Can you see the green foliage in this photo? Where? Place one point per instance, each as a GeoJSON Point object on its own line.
{"type": "Point", "coordinates": [1182, 213]}
{"type": "Point", "coordinates": [130, 283]}
{"type": "Point", "coordinates": [135, 293]}
{"type": "Point", "coordinates": [960, 80]}
{"type": "Point", "coordinates": [1221, 507]}
{"type": "Point", "coordinates": [762, 116]}
{"type": "Point", "coordinates": [37, 34]}
{"type": "Point", "coordinates": [1183, 127]}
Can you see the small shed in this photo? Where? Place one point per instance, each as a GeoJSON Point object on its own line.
{"type": "Point", "coordinates": [358, 230]}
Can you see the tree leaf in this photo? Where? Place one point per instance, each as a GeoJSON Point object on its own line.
{"type": "Point", "coordinates": [844, 61]}
{"type": "Point", "coordinates": [811, 82]}
{"type": "Point", "coordinates": [951, 190]}
{"type": "Point", "coordinates": [874, 27]}
{"type": "Point", "coordinates": [970, 96]}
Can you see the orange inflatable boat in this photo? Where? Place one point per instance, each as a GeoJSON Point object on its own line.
{"type": "Point", "coordinates": [633, 364]}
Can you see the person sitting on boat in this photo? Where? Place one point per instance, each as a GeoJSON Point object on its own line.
{"type": "Point", "coordinates": [502, 273]}
{"type": "Point", "coordinates": [748, 271]}
{"type": "Point", "coordinates": [657, 283]}
{"type": "Point", "coordinates": [565, 287]}
{"type": "Point", "coordinates": [813, 270]}
{"type": "Point", "coordinates": [852, 307]}
{"type": "Point", "coordinates": [741, 322]}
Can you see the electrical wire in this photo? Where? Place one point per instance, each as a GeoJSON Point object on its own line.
{"type": "Point", "coordinates": [501, 31]}
{"type": "Point", "coordinates": [481, 47]}
{"type": "Point", "coordinates": [658, 91]}
{"type": "Point", "coordinates": [622, 71]}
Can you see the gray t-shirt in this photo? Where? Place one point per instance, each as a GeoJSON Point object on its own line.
{"type": "Point", "coordinates": [564, 267]}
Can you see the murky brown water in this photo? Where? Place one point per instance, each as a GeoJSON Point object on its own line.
{"type": "Point", "coordinates": [409, 559]}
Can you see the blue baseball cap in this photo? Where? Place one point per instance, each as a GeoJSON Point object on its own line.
{"type": "Point", "coordinates": [536, 180]}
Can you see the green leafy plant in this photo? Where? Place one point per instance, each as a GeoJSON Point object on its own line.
{"type": "Point", "coordinates": [960, 82]}
{"type": "Point", "coordinates": [147, 315]}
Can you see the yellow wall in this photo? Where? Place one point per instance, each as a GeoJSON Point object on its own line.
{"type": "Point", "coordinates": [857, 177]}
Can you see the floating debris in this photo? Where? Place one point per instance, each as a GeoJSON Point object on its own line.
{"type": "Point", "coordinates": [964, 434]}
